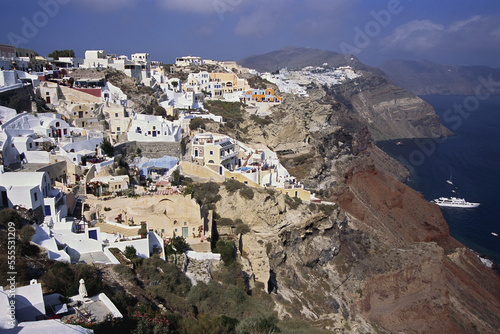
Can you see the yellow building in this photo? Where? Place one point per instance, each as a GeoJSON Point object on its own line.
{"type": "Point", "coordinates": [214, 151]}
{"type": "Point", "coordinates": [229, 81]}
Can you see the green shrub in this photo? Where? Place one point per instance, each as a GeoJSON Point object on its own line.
{"type": "Point", "coordinates": [225, 222]}
{"type": "Point", "coordinates": [179, 179]}
{"type": "Point", "coordinates": [209, 324]}
{"type": "Point", "coordinates": [26, 233]}
{"type": "Point", "coordinates": [199, 123]}
{"type": "Point", "coordinates": [207, 194]}
{"type": "Point", "coordinates": [227, 251]}
{"type": "Point", "coordinates": [261, 121]}
{"type": "Point", "coordinates": [231, 111]}
{"type": "Point", "coordinates": [233, 185]}
{"type": "Point", "coordinates": [130, 252]}
{"type": "Point", "coordinates": [242, 229]}
{"type": "Point", "coordinates": [130, 193]}
{"type": "Point", "coordinates": [9, 215]}
{"type": "Point", "coordinates": [247, 193]}
{"type": "Point", "coordinates": [124, 271]}
{"type": "Point", "coordinates": [293, 202]}
{"type": "Point", "coordinates": [180, 244]}
{"type": "Point", "coordinates": [143, 231]}
{"type": "Point", "coordinates": [64, 278]}
{"type": "Point", "coordinates": [162, 277]}
{"type": "Point", "coordinates": [107, 148]}
{"type": "Point", "coordinates": [267, 325]}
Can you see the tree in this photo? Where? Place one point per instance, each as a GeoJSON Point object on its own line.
{"type": "Point", "coordinates": [130, 252]}
{"type": "Point", "coordinates": [227, 251]}
{"type": "Point", "coordinates": [180, 244]}
{"type": "Point", "coordinates": [107, 147]}
{"type": "Point", "coordinates": [61, 53]}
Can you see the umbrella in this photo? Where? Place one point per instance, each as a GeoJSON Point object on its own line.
{"type": "Point", "coordinates": [82, 290]}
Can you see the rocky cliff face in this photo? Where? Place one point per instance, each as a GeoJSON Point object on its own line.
{"type": "Point", "coordinates": [389, 111]}
{"type": "Point", "coordinates": [382, 260]}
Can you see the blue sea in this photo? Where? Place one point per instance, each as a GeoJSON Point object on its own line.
{"type": "Point", "coordinates": [471, 159]}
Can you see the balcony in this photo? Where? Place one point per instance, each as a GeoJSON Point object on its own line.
{"type": "Point", "coordinates": [225, 156]}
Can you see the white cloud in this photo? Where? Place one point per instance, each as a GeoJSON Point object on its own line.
{"type": "Point", "coordinates": [258, 24]}
{"type": "Point", "coordinates": [264, 17]}
{"type": "Point", "coordinates": [107, 5]}
{"type": "Point", "coordinates": [202, 6]}
{"type": "Point", "coordinates": [457, 26]}
{"type": "Point", "coordinates": [414, 35]}
{"type": "Point", "coordinates": [420, 36]}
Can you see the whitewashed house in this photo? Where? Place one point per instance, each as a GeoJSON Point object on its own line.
{"type": "Point", "coordinates": [148, 128]}
{"type": "Point", "coordinates": [32, 190]}
{"type": "Point", "coordinates": [111, 93]}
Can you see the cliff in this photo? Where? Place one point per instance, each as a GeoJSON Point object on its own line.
{"type": "Point", "coordinates": [427, 78]}
{"type": "Point", "coordinates": [381, 259]}
{"type": "Point", "coordinates": [389, 111]}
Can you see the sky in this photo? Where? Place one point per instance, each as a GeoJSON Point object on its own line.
{"type": "Point", "coordinates": [458, 32]}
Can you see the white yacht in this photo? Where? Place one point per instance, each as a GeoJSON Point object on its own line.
{"type": "Point", "coordinates": [455, 202]}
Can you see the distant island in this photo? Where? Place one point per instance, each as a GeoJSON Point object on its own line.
{"type": "Point", "coordinates": [428, 78]}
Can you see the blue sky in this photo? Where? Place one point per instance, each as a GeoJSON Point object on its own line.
{"type": "Point", "coordinates": [444, 31]}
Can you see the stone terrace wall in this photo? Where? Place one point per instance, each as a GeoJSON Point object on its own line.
{"type": "Point", "coordinates": [149, 150]}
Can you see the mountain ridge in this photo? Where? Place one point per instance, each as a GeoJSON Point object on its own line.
{"type": "Point", "coordinates": [428, 78]}
{"type": "Point", "coordinates": [296, 58]}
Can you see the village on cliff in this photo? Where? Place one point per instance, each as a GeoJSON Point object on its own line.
{"type": "Point", "coordinates": [100, 172]}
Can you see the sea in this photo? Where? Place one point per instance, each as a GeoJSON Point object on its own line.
{"type": "Point", "coordinates": [470, 160]}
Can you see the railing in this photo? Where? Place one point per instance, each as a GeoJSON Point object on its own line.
{"type": "Point", "coordinates": [228, 155]}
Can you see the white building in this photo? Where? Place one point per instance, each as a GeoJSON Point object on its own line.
{"type": "Point", "coordinates": [67, 62]}
{"type": "Point", "coordinates": [111, 93]}
{"type": "Point", "coordinates": [139, 67]}
{"type": "Point", "coordinates": [22, 137]}
{"type": "Point", "coordinates": [188, 61]}
{"type": "Point", "coordinates": [196, 81]}
{"type": "Point", "coordinates": [148, 128]}
{"type": "Point", "coordinates": [184, 100]}
{"type": "Point", "coordinates": [32, 190]}
{"type": "Point", "coordinates": [9, 80]}
{"type": "Point", "coordinates": [75, 151]}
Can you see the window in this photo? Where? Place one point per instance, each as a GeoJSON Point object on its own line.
{"type": "Point", "coordinates": [65, 131]}
{"type": "Point", "coordinates": [58, 124]}
{"type": "Point", "coordinates": [211, 152]}
{"type": "Point", "coordinates": [35, 196]}
{"type": "Point", "coordinates": [117, 128]}
{"type": "Point", "coordinates": [162, 230]}
{"type": "Point", "coordinates": [116, 114]}
{"type": "Point", "coordinates": [31, 145]}
{"type": "Point", "coordinates": [193, 229]}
